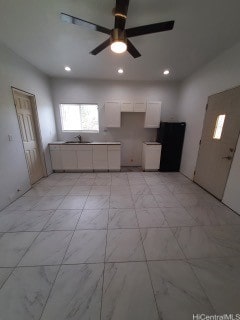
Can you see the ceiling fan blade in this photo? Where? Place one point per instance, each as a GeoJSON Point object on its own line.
{"type": "Point", "coordinates": [150, 28]}
{"type": "Point", "coordinates": [101, 47]}
{"type": "Point", "coordinates": [85, 24]}
{"type": "Point", "coordinates": [121, 13]}
{"type": "Point", "coordinates": [132, 50]}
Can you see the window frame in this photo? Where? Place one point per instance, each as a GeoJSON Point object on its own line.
{"type": "Point", "coordinates": [79, 104]}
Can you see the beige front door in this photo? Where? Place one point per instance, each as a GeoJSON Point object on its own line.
{"type": "Point", "coordinates": [24, 108]}
{"type": "Point", "coordinates": [219, 138]}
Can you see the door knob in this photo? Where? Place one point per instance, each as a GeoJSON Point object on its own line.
{"type": "Point", "coordinates": [228, 158]}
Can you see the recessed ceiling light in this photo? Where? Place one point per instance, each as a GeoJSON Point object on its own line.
{"type": "Point", "coordinates": [166, 72]}
{"type": "Point", "coordinates": [67, 68]}
{"type": "Point", "coordinates": [120, 70]}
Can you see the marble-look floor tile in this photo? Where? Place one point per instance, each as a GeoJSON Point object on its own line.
{"type": "Point", "coordinates": [177, 290]}
{"type": "Point", "coordinates": [100, 191]}
{"type": "Point", "coordinates": [85, 182]}
{"type": "Point", "coordinates": [144, 201]}
{"type": "Point", "coordinates": [14, 221]}
{"type": "Point", "coordinates": [140, 189]}
{"type": "Point", "coordinates": [158, 189]}
{"type": "Point", "coordinates": [24, 203]}
{"type": "Point", "coordinates": [122, 218]}
{"type": "Point", "coordinates": [63, 220]}
{"type": "Point", "coordinates": [24, 294]}
{"type": "Point", "coordinates": [178, 217]}
{"type": "Point", "coordinates": [167, 199]}
{"type": "Point", "coordinates": [13, 246]}
{"type": "Point", "coordinates": [160, 244]}
{"type": "Point", "coordinates": [86, 246]}
{"type": "Point", "coordinates": [150, 218]}
{"type": "Point", "coordinates": [121, 202]}
{"type": "Point", "coordinates": [220, 280]}
{"type": "Point", "coordinates": [76, 293]}
{"type": "Point", "coordinates": [80, 190]}
{"type": "Point", "coordinates": [124, 245]}
{"type": "Point", "coordinates": [209, 241]}
{"type": "Point", "coordinates": [93, 219]}
{"type": "Point", "coordinates": [47, 249]}
{"type": "Point", "coordinates": [120, 190]}
{"type": "Point", "coordinates": [154, 181]}
{"type": "Point", "coordinates": [73, 202]}
{"type": "Point", "coordinates": [214, 216]}
{"type": "Point", "coordinates": [59, 190]}
{"type": "Point", "coordinates": [120, 181]}
{"type": "Point", "coordinates": [97, 202]}
{"type": "Point", "coordinates": [191, 200]}
{"type": "Point", "coordinates": [102, 182]}
{"type": "Point", "coordinates": [4, 274]}
{"type": "Point", "coordinates": [38, 191]}
{"type": "Point", "coordinates": [127, 292]}
{"type": "Point", "coordinates": [49, 203]}
{"type": "Point", "coordinates": [67, 182]}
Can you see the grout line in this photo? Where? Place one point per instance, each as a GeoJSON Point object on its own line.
{"type": "Point", "coordinates": [155, 299]}
{"type": "Point", "coordinates": [104, 266]}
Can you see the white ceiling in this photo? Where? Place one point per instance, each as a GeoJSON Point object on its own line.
{"type": "Point", "coordinates": [203, 28]}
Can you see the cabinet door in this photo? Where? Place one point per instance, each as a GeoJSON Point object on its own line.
{"type": "Point", "coordinates": [139, 107]}
{"type": "Point", "coordinates": [114, 158]}
{"type": "Point", "coordinates": [56, 159]}
{"type": "Point", "coordinates": [112, 114]}
{"type": "Point", "coordinates": [152, 157]}
{"type": "Point", "coordinates": [85, 158]}
{"type": "Point", "coordinates": [100, 157]}
{"type": "Point", "coordinates": [153, 114]}
{"type": "Point", "coordinates": [126, 107]}
{"type": "Point", "coordinates": [69, 157]}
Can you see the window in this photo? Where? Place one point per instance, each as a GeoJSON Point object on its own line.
{"type": "Point", "coordinates": [79, 117]}
{"type": "Point", "coordinates": [219, 127]}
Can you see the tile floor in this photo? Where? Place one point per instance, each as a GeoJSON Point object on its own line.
{"type": "Point", "coordinates": [118, 246]}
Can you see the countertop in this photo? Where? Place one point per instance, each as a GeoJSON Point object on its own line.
{"type": "Point", "coordinates": [152, 143]}
{"type": "Point", "coordinates": [92, 143]}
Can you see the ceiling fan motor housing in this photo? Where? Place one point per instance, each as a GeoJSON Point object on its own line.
{"type": "Point", "coordinates": [118, 35]}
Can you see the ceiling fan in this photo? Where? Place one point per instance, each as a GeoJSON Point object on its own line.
{"type": "Point", "coordinates": [118, 39]}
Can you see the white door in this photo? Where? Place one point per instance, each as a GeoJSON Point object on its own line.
{"type": "Point", "coordinates": [219, 138]}
{"type": "Point", "coordinates": [26, 121]}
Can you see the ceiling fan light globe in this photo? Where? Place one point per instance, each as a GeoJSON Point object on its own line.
{"type": "Point", "coordinates": [118, 46]}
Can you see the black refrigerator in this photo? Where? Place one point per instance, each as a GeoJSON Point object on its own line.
{"type": "Point", "coordinates": [171, 136]}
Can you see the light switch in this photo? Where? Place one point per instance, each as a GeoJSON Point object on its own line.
{"type": "Point", "coordinates": [10, 137]}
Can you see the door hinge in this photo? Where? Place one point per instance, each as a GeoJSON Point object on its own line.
{"type": "Point", "coordinates": [194, 172]}
{"type": "Point", "coordinates": [206, 106]}
{"type": "Point", "coordinates": [200, 141]}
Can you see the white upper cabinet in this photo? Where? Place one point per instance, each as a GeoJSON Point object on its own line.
{"type": "Point", "coordinates": [139, 107]}
{"type": "Point", "coordinates": [112, 115]}
{"type": "Point", "coordinates": [126, 107]}
{"type": "Point", "coordinates": [153, 114]}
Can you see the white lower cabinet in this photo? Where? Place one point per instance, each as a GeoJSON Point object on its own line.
{"type": "Point", "coordinates": [151, 155]}
{"type": "Point", "coordinates": [85, 158]}
{"type": "Point", "coordinates": [100, 157]}
{"type": "Point", "coordinates": [69, 157]}
{"type": "Point", "coordinates": [55, 152]}
{"type": "Point", "coordinates": [114, 158]}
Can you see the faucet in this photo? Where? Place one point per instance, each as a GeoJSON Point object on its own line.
{"type": "Point", "coordinates": [79, 138]}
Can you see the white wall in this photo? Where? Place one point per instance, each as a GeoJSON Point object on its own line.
{"type": "Point", "coordinates": [131, 133]}
{"type": "Point", "coordinates": [221, 74]}
{"type": "Point", "coordinates": [16, 72]}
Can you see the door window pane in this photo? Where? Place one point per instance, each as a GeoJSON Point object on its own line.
{"type": "Point", "coordinates": [219, 127]}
